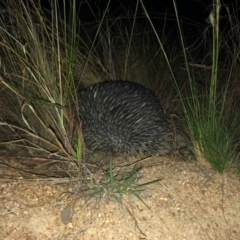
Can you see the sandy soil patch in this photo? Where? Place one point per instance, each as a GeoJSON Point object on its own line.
{"type": "Point", "coordinates": [190, 202]}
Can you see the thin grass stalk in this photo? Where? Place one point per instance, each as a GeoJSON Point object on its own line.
{"type": "Point", "coordinates": [159, 41]}
{"type": "Point", "coordinates": [90, 52]}
{"type": "Point", "coordinates": [130, 40]}
{"type": "Point", "coordinates": [214, 20]}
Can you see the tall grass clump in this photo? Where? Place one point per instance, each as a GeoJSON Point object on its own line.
{"type": "Point", "coordinates": [39, 53]}
{"type": "Point", "coordinates": [212, 120]}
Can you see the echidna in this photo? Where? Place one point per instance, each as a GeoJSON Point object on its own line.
{"type": "Point", "coordinates": [123, 117]}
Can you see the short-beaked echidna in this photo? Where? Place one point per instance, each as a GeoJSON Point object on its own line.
{"type": "Point", "coordinates": [123, 117]}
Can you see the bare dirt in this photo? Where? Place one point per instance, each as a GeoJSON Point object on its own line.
{"type": "Point", "coordinates": [190, 202]}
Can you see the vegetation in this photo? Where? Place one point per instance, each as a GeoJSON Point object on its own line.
{"type": "Point", "coordinates": [213, 123]}
{"type": "Point", "coordinates": [44, 61]}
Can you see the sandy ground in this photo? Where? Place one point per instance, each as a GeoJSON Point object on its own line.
{"type": "Point", "coordinates": [190, 202]}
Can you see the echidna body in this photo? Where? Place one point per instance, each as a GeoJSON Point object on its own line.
{"type": "Point", "coordinates": [123, 117]}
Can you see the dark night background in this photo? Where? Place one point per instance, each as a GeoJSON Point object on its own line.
{"type": "Point", "coordinates": [195, 10]}
{"type": "Point", "coordinates": [192, 13]}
